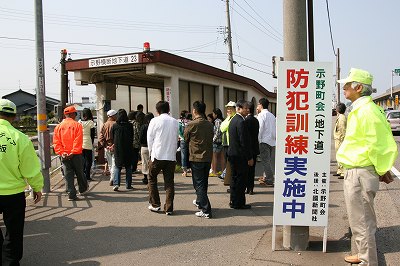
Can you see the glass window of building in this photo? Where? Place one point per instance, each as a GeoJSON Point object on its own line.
{"type": "Point", "coordinates": [153, 96]}
{"type": "Point", "coordinates": [209, 98]}
{"type": "Point", "coordinates": [184, 95]}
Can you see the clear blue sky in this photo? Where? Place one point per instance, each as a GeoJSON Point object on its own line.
{"type": "Point", "coordinates": [366, 31]}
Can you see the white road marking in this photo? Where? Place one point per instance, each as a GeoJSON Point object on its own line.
{"type": "Point", "coordinates": [395, 172]}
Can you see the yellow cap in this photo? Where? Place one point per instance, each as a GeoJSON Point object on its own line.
{"type": "Point", "coordinates": [357, 75]}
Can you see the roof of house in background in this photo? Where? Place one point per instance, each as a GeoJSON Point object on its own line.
{"type": "Point", "coordinates": [49, 99]}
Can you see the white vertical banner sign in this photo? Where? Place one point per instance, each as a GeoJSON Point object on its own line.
{"type": "Point", "coordinates": [303, 144]}
{"type": "Point", "coordinates": [168, 94]}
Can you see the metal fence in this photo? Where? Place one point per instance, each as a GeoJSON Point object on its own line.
{"type": "Point", "coordinates": [55, 159]}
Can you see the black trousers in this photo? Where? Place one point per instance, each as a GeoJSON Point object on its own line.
{"type": "Point", "coordinates": [251, 174]}
{"type": "Point", "coordinates": [135, 159]}
{"type": "Point", "coordinates": [72, 167]}
{"type": "Point", "coordinates": [13, 209]}
{"type": "Point", "coordinates": [87, 162]}
{"type": "Point", "coordinates": [239, 170]}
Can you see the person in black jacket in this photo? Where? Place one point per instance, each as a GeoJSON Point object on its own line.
{"type": "Point", "coordinates": [239, 156]}
{"type": "Point", "coordinates": [253, 127]}
{"type": "Point", "coordinates": [122, 133]}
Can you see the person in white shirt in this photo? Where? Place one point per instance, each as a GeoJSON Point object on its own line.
{"type": "Point", "coordinates": [267, 140]}
{"type": "Point", "coordinates": [88, 138]}
{"type": "Point", "coordinates": [162, 136]}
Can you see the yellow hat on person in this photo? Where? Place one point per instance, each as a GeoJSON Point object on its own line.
{"type": "Point", "coordinates": [231, 104]}
{"type": "Point", "coordinates": [358, 75]}
{"type": "Point", "coordinates": [7, 106]}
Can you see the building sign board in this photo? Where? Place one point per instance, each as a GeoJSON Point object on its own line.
{"type": "Point", "coordinates": [114, 60]}
{"type": "Point", "coordinates": [168, 94]}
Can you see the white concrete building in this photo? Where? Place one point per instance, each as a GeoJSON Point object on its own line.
{"type": "Point", "coordinates": [124, 81]}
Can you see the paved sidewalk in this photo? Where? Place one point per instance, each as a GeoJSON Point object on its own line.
{"type": "Point", "coordinates": [116, 228]}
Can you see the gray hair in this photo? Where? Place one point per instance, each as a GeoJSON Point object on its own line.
{"type": "Point", "coordinates": [367, 89]}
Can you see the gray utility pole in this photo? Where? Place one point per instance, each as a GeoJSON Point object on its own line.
{"type": "Point", "coordinates": [43, 133]}
{"type": "Point", "coordinates": [228, 29]}
{"type": "Point", "coordinates": [338, 74]}
{"type": "Point", "coordinates": [64, 84]}
{"type": "Point", "coordinates": [310, 25]}
{"type": "Point", "coordinates": [295, 49]}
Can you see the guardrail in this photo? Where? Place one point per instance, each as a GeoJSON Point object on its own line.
{"type": "Point", "coordinates": [55, 159]}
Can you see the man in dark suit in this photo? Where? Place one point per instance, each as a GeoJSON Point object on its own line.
{"type": "Point", "coordinates": [253, 127]}
{"type": "Point", "coordinates": [239, 156]}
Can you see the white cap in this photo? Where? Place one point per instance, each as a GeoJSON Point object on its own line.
{"type": "Point", "coordinates": [7, 106]}
{"type": "Point", "coordinates": [230, 104]}
{"type": "Point", "coordinates": [111, 113]}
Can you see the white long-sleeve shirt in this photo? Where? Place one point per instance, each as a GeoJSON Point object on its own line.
{"type": "Point", "coordinates": [162, 138]}
{"type": "Point", "coordinates": [267, 132]}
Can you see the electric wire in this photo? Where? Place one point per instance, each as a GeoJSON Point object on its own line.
{"type": "Point", "coordinates": [255, 69]}
{"type": "Point", "coordinates": [271, 36]}
{"type": "Point", "coordinates": [266, 22]}
{"type": "Point", "coordinates": [19, 15]}
{"type": "Point", "coordinates": [277, 37]}
{"type": "Point", "coordinates": [251, 45]}
{"type": "Point", "coordinates": [253, 61]}
{"type": "Point", "coordinates": [57, 19]}
{"type": "Point", "coordinates": [330, 28]}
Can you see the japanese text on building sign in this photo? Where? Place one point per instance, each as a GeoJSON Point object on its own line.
{"type": "Point", "coordinates": [114, 60]}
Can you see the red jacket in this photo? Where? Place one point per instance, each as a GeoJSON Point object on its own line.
{"type": "Point", "coordinates": [68, 137]}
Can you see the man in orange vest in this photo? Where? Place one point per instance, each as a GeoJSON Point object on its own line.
{"type": "Point", "coordinates": [67, 142]}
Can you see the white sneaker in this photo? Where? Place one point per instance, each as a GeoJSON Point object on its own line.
{"type": "Point", "coordinates": [202, 214]}
{"type": "Point", "coordinates": [73, 199]}
{"type": "Point", "coordinates": [153, 209]}
{"type": "Point", "coordinates": [84, 192]}
{"type": "Point", "coordinates": [116, 188]}
{"type": "Point", "coordinates": [195, 203]}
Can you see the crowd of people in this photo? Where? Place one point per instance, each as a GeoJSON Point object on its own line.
{"type": "Point", "coordinates": [210, 146]}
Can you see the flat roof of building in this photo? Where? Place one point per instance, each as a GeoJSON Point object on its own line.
{"type": "Point", "coordinates": [129, 69]}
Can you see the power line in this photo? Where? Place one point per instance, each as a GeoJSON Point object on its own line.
{"type": "Point", "coordinates": [252, 60]}
{"type": "Point", "coordinates": [72, 43]}
{"type": "Point", "coordinates": [255, 69]}
{"type": "Point", "coordinates": [280, 34]}
{"type": "Point", "coordinates": [179, 51]}
{"type": "Point", "coordinates": [251, 45]}
{"type": "Point", "coordinates": [330, 28]}
{"type": "Point", "coordinates": [186, 50]}
{"type": "Point", "coordinates": [271, 36]}
{"type": "Point", "coordinates": [105, 23]}
{"type": "Point", "coordinates": [198, 46]}
{"type": "Point", "coordinates": [277, 37]}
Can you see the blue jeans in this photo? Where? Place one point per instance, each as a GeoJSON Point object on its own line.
{"type": "Point", "coordinates": [184, 154]}
{"type": "Point", "coordinates": [117, 176]}
{"type": "Point", "coordinates": [200, 171]}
